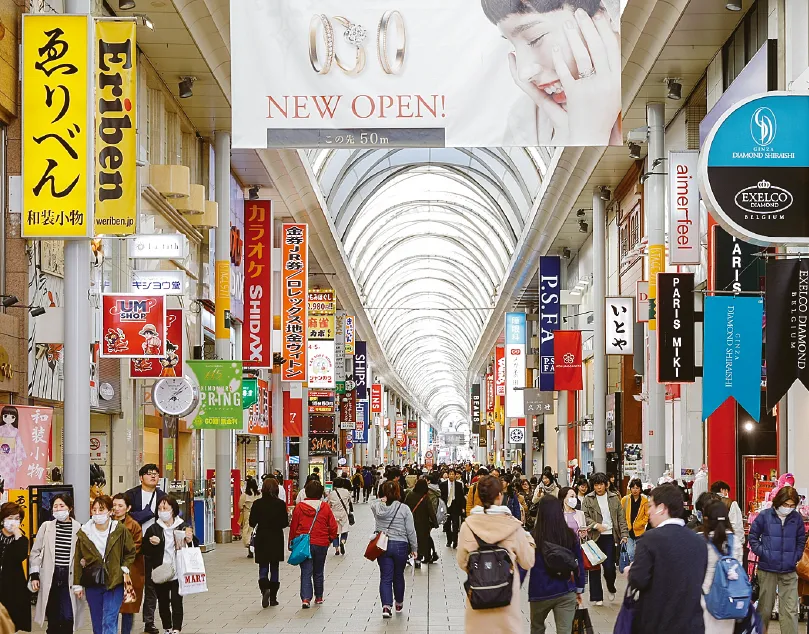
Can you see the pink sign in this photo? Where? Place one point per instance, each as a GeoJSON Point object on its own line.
{"type": "Point", "coordinates": [25, 434]}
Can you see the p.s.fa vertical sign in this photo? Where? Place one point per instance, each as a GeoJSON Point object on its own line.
{"type": "Point", "coordinates": [116, 127]}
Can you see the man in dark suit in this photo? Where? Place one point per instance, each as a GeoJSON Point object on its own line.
{"type": "Point", "coordinates": [669, 569]}
{"type": "Point", "coordinates": [466, 476]}
{"type": "Point", "coordinates": [452, 494]}
{"type": "Point", "coordinates": [144, 500]}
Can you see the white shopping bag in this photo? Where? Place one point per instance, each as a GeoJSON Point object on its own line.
{"type": "Point", "coordinates": [191, 571]}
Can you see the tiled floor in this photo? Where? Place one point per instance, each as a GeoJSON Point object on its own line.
{"type": "Point", "coordinates": [434, 597]}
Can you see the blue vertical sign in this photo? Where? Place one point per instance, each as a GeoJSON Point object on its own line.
{"type": "Point", "coordinates": [361, 426]}
{"type": "Point", "coordinates": [549, 316]}
{"type": "Point", "coordinates": [361, 369]}
{"type": "Point", "coordinates": [515, 349]}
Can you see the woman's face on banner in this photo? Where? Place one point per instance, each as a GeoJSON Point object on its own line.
{"type": "Point", "coordinates": [9, 419]}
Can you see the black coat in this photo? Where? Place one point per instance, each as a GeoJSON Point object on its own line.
{"type": "Point", "coordinates": [138, 513]}
{"type": "Point", "coordinates": [269, 519]}
{"type": "Point", "coordinates": [153, 553]}
{"type": "Point", "coordinates": [14, 593]}
{"type": "Point", "coordinates": [458, 502]}
{"type": "Point", "coordinates": [669, 569]}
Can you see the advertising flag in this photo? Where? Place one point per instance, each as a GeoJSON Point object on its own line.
{"type": "Point", "coordinates": [732, 358]}
{"type": "Point", "coordinates": [25, 438]}
{"type": "Point", "coordinates": [619, 324]}
{"type": "Point", "coordinates": [257, 329]}
{"type": "Point", "coordinates": [340, 351]}
{"type": "Point", "coordinates": [684, 224]}
{"type": "Point", "coordinates": [133, 325]}
{"type": "Point", "coordinates": [259, 414]}
{"type": "Point", "coordinates": [475, 408]}
{"type": "Point", "coordinates": [293, 415]}
{"type": "Point", "coordinates": [500, 371]}
{"type": "Point", "coordinates": [376, 398]}
{"type": "Point", "coordinates": [361, 424]}
{"type": "Point", "coordinates": [172, 363]}
{"type": "Point", "coordinates": [489, 393]}
{"type": "Point", "coordinates": [348, 410]}
{"type": "Point", "coordinates": [349, 335]}
{"type": "Point", "coordinates": [676, 361]}
{"type": "Point", "coordinates": [515, 363]}
{"type": "Point", "coordinates": [294, 264]}
{"type": "Point", "coordinates": [549, 316]}
{"type": "Point", "coordinates": [656, 266]}
{"type": "Point", "coordinates": [220, 391]}
{"type": "Point", "coordinates": [567, 360]}
{"type": "Point", "coordinates": [361, 370]}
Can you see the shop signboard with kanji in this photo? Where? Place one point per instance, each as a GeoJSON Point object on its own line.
{"type": "Point", "coordinates": [349, 335]}
{"type": "Point", "coordinates": [25, 434]}
{"type": "Point", "coordinates": [320, 357]}
{"type": "Point", "coordinates": [321, 301]}
{"type": "Point", "coordinates": [294, 264]}
{"type": "Point", "coordinates": [220, 392]}
{"type": "Point", "coordinates": [172, 363]}
{"type": "Point", "coordinates": [321, 401]}
{"type": "Point", "coordinates": [57, 124]}
{"type": "Point", "coordinates": [257, 329]}
{"type": "Point", "coordinates": [133, 325]}
{"type": "Point", "coordinates": [620, 324]}
{"type": "Point", "coordinates": [320, 327]}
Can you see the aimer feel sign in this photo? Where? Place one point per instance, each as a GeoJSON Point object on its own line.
{"type": "Point", "coordinates": [754, 169]}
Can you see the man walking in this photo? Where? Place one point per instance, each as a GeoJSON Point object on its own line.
{"type": "Point", "coordinates": [606, 522]}
{"type": "Point", "coordinates": [452, 494]}
{"type": "Point", "coordinates": [669, 569]}
{"type": "Point", "coordinates": [144, 499]}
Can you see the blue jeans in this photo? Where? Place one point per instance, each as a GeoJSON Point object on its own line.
{"type": "Point", "coordinates": [312, 570]}
{"type": "Point", "coordinates": [340, 538]}
{"type": "Point", "coordinates": [607, 545]}
{"type": "Point", "coordinates": [391, 572]}
{"type": "Point", "coordinates": [270, 570]}
{"type": "Point", "coordinates": [126, 623]}
{"type": "Point", "coordinates": [104, 608]}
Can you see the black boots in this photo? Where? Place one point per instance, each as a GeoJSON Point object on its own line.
{"type": "Point", "coordinates": [264, 585]}
{"type": "Point", "coordinates": [274, 586]}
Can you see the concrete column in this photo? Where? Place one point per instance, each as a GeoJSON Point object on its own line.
{"type": "Point", "coordinates": [655, 201]}
{"type": "Point", "coordinates": [303, 470]}
{"type": "Point", "coordinates": [562, 396]}
{"type": "Point", "coordinates": [599, 331]}
{"type": "Point", "coordinates": [277, 448]}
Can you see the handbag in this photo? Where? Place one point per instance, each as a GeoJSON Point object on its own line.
{"type": "Point", "coordinates": [582, 624]}
{"type": "Point", "coordinates": [623, 559]}
{"type": "Point", "coordinates": [300, 545]}
{"type": "Point", "coordinates": [349, 513]}
{"type": "Point", "coordinates": [191, 571]}
{"type": "Point", "coordinates": [593, 553]}
{"type": "Point", "coordinates": [627, 613]}
{"type": "Point", "coordinates": [803, 565]}
{"type": "Point", "coordinates": [379, 542]}
{"type": "Point", "coordinates": [96, 575]}
{"type": "Point", "coordinates": [130, 596]}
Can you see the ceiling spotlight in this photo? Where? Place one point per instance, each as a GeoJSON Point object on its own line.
{"type": "Point", "coordinates": [583, 227]}
{"type": "Point", "coordinates": [186, 83]}
{"type": "Point", "coordinates": [252, 192]}
{"type": "Point", "coordinates": [36, 312]}
{"type": "Point", "coordinates": [634, 151]}
{"type": "Point", "coordinates": [10, 300]}
{"type": "Point", "coordinates": [566, 253]}
{"type": "Point", "coordinates": [675, 89]}
{"type": "Point", "coordinates": [605, 193]}
{"type": "Point", "coordinates": [734, 5]}
{"type": "Point", "coordinates": [126, 5]}
{"type": "Point", "coordinates": [145, 20]}
{"type": "Point", "coordinates": [580, 213]}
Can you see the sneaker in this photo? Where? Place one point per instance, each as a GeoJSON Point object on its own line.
{"type": "Point", "coordinates": [168, 631]}
{"type": "Point", "coordinates": [435, 558]}
{"type": "Point", "coordinates": [151, 629]}
{"type": "Point", "coordinates": [305, 604]}
{"type": "Point", "coordinates": [336, 552]}
{"type": "Point", "coordinates": [598, 603]}
{"type": "Point", "coordinates": [399, 607]}
{"type": "Point", "coordinates": [386, 612]}
{"type": "Point", "coordinates": [611, 596]}
{"type": "Point", "coordinates": [342, 548]}
{"type": "Point", "coordinates": [319, 601]}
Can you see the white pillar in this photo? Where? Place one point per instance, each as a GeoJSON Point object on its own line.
{"type": "Point", "coordinates": [599, 332]}
{"type": "Point", "coordinates": [303, 467]}
{"type": "Point", "coordinates": [277, 437]}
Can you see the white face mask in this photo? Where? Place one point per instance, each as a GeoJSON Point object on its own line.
{"type": "Point", "coordinates": [61, 516]}
{"type": "Point", "coordinates": [164, 515]}
{"type": "Point", "coordinates": [783, 511]}
{"type": "Point", "coordinates": [100, 518]}
{"type": "Point", "coordinates": [10, 525]}
{"type": "Point", "coordinates": [571, 502]}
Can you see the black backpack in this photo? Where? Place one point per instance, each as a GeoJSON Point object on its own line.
{"type": "Point", "coordinates": [490, 576]}
{"type": "Point", "coordinates": [559, 561]}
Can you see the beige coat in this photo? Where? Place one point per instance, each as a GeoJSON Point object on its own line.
{"type": "Point", "coordinates": [498, 526]}
{"type": "Point", "coordinates": [42, 560]}
{"type": "Point", "coordinates": [245, 504]}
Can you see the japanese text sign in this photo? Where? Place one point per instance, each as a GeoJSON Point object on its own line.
{"type": "Point", "coordinates": [321, 301]}
{"type": "Point", "coordinates": [376, 398]}
{"type": "Point", "coordinates": [249, 392]}
{"type": "Point", "coordinates": [349, 335]}
{"type": "Point", "coordinates": [321, 402]}
{"type": "Point", "coordinates": [116, 124]}
{"type": "Point", "coordinates": [320, 327]}
{"type": "Point", "coordinates": [620, 325]}
{"type": "Point", "coordinates": [172, 363]}
{"type": "Point", "coordinates": [320, 357]}
{"type": "Point", "coordinates": [57, 121]}
{"type": "Point", "coordinates": [348, 410]}
{"type": "Point", "coordinates": [489, 393]}
{"type": "Point", "coordinates": [25, 434]}
{"type": "Point", "coordinates": [220, 394]}
{"type": "Point", "coordinates": [515, 363]}
{"type": "Point", "coordinates": [257, 329]}
{"type": "Point", "coordinates": [259, 414]}
{"type": "Point", "coordinates": [158, 282]}
{"type": "Point", "coordinates": [500, 371]}
{"type": "Point", "coordinates": [133, 325]}
{"type": "Point", "coordinates": [294, 264]}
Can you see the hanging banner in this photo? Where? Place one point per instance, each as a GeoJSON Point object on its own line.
{"type": "Point", "coordinates": [735, 263]}
{"type": "Point", "coordinates": [321, 402]}
{"type": "Point", "coordinates": [732, 357]}
{"type": "Point", "coordinates": [361, 370]}
{"type": "Point", "coordinates": [348, 410]}
{"type": "Point", "coordinates": [361, 425]}
{"type": "Point", "coordinates": [515, 331]}
{"type": "Point", "coordinates": [620, 322]}
{"type": "Point", "coordinates": [359, 74]}
{"type": "Point", "coordinates": [376, 398]}
{"type": "Point", "coordinates": [657, 253]}
{"type": "Point", "coordinates": [401, 440]}
{"type": "Point", "coordinates": [321, 364]}
{"type": "Point", "coordinates": [538, 402]}
{"type": "Point", "coordinates": [340, 351]}
{"type": "Point", "coordinates": [475, 409]}
{"type": "Point", "coordinates": [25, 440]}
{"type": "Point", "coordinates": [259, 415]}
{"type": "Point", "coordinates": [133, 325]}
{"type": "Point", "coordinates": [787, 329]}
{"type": "Point", "coordinates": [489, 393]}
{"type": "Point", "coordinates": [57, 123]}
{"type": "Point", "coordinates": [482, 438]}
{"type": "Point", "coordinates": [116, 90]}
{"type": "Point", "coordinates": [320, 327]}
{"type": "Point", "coordinates": [321, 301]}
{"type": "Point", "coordinates": [249, 391]}
{"type": "Point", "coordinates": [257, 328]}
{"type": "Point", "coordinates": [349, 335]}
{"type": "Point", "coordinates": [642, 300]}
{"type": "Point", "coordinates": [293, 416]}
{"type": "Point", "coordinates": [549, 316]}
{"type": "Point", "coordinates": [676, 362]}
{"type": "Point", "coordinates": [500, 371]}
{"type": "Point", "coordinates": [567, 360]}
{"type": "Point", "coordinates": [172, 363]}
{"type": "Point", "coordinates": [294, 265]}
{"type": "Point", "coordinates": [220, 394]}
{"type": "Point", "coordinates": [684, 225]}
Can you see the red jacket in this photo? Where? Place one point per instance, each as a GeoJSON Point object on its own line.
{"type": "Point", "coordinates": [325, 528]}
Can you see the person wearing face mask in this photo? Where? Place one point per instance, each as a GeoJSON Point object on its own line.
{"type": "Point", "coordinates": [160, 544]}
{"type": "Point", "coordinates": [14, 595]}
{"type": "Point", "coordinates": [103, 557]}
{"type": "Point", "coordinates": [50, 569]}
{"type": "Point", "coordinates": [575, 519]}
{"type": "Point", "coordinates": [120, 513]}
{"type": "Point", "coordinates": [778, 537]}
{"type": "Point", "coordinates": [722, 489]}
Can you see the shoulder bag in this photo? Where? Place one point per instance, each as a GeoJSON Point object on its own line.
{"type": "Point", "coordinates": [96, 575]}
{"type": "Point", "coordinates": [165, 572]}
{"type": "Point", "coordinates": [349, 513]}
{"type": "Point", "coordinates": [379, 542]}
{"type": "Point", "coordinates": [300, 545]}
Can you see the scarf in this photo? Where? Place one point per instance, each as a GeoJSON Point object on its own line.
{"type": "Point", "coordinates": [492, 510]}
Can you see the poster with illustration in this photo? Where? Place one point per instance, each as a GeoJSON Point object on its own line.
{"type": "Point", "coordinates": [220, 394]}
{"type": "Point", "coordinates": [133, 325]}
{"type": "Point", "coordinates": [24, 440]}
{"type": "Point", "coordinates": [172, 363]}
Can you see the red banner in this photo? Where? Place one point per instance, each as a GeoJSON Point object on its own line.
{"type": "Point", "coordinates": [401, 439]}
{"type": "Point", "coordinates": [260, 414]}
{"type": "Point", "coordinates": [348, 408]}
{"type": "Point", "coordinates": [172, 363]}
{"type": "Point", "coordinates": [24, 436]}
{"type": "Point", "coordinates": [133, 325]}
{"type": "Point", "coordinates": [499, 371]}
{"type": "Point", "coordinates": [294, 264]}
{"type": "Point", "coordinates": [376, 398]}
{"type": "Point", "coordinates": [489, 393]}
{"type": "Point", "coordinates": [567, 360]}
{"type": "Point", "coordinates": [293, 416]}
{"type": "Point", "coordinates": [257, 329]}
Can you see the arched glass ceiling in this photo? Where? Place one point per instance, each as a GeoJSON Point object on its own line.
{"type": "Point", "coordinates": [429, 234]}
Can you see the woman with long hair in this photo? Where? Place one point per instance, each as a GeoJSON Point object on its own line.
{"type": "Point", "coordinates": [268, 519]}
{"type": "Point", "coordinates": [719, 535]}
{"type": "Point", "coordinates": [547, 486]}
{"type": "Point", "coordinates": [548, 590]}
{"type": "Point", "coordinates": [395, 519]}
{"type": "Point", "coordinates": [246, 501]}
{"type": "Point", "coordinates": [424, 519]}
{"type": "Point", "coordinates": [494, 524]}
{"type": "Point", "coordinates": [575, 519]}
{"type": "Point", "coordinates": [340, 502]}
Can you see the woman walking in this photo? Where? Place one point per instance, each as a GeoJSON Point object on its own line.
{"type": "Point", "coordinates": [340, 504]}
{"type": "Point", "coordinates": [121, 505]}
{"type": "Point", "coordinates": [574, 518]}
{"type": "Point", "coordinates": [424, 519]}
{"type": "Point", "coordinates": [160, 546]}
{"type": "Point", "coordinates": [395, 519]}
{"type": "Point", "coordinates": [636, 509]}
{"type": "Point", "coordinates": [778, 537]}
{"type": "Point", "coordinates": [494, 524]}
{"type": "Point", "coordinates": [14, 595]}
{"type": "Point", "coordinates": [50, 569]}
{"type": "Point", "coordinates": [313, 516]}
{"type": "Point", "coordinates": [554, 591]}
{"type": "Point", "coordinates": [547, 486]}
{"type": "Point", "coordinates": [268, 519]}
{"type": "Point", "coordinates": [104, 555]}
{"type": "Point", "coordinates": [718, 533]}
{"type": "Point", "coordinates": [245, 504]}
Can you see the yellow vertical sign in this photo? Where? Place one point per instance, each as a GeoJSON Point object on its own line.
{"type": "Point", "coordinates": [115, 128]}
{"type": "Point", "coordinates": [222, 298]}
{"type": "Point", "coordinates": [657, 257]}
{"type": "Point", "coordinates": [57, 121]}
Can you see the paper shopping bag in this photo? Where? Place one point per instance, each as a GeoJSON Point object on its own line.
{"type": "Point", "coordinates": [191, 571]}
